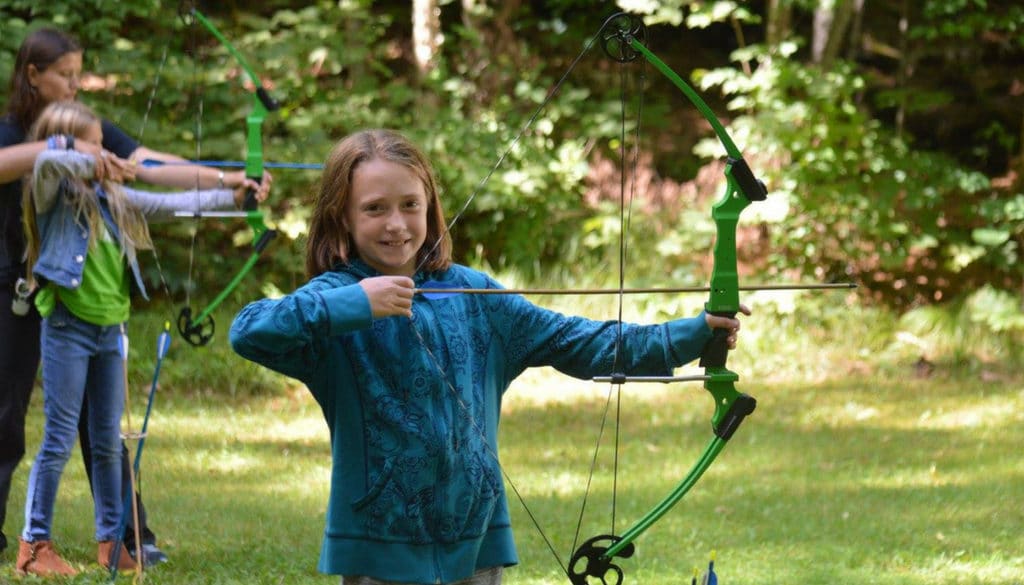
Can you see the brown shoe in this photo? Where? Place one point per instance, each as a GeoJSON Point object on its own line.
{"type": "Point", "coordinates": [40, 558]}
{"type": "Point", "coordinates": [106, 549]}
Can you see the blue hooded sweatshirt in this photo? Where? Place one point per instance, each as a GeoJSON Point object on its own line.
{"type": "Point", "coordinates": [413, 406]}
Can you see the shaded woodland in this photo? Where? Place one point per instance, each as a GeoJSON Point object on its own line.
{"type": "Point", "coordinates": [890, 134]}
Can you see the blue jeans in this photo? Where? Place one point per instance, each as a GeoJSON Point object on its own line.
{"type": "Point", "coordinates": [81, 361]}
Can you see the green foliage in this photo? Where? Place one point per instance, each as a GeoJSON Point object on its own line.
{"type": "Point", "coordinates": [850, 197]}
{"type": "Point", "coordinates": [914, 224]}
{"type": "Point", "coordinates": [962, 20]}
{"type": "Point", "coordinates": [182, 94]}
{"type": "Point", "coordinates": [983, 328]}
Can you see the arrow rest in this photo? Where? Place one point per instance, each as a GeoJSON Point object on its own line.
{"type": "Point", "coordinates": [617, 41]}
{"type": "Point", "coordinates": [595, 563]}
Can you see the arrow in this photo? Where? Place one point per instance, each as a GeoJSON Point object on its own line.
{"type": "Point", "coordinates": [710, 578]}
{"type": "Point", "coordinates": [152, 162]}
{"type": "Point", "coordinates": [435, 290]}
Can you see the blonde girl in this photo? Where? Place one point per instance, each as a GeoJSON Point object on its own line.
{"type": "Point", "coordinates": [83, 238]}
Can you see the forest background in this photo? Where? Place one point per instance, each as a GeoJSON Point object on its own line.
{"type": "Point", "coordinates": [891, 136]}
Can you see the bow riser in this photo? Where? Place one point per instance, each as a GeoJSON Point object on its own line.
{"type": "Point", "coordinates": [199, 330]}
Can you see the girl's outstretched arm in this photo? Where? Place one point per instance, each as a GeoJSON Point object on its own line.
{"type": "Point", "coordinates": [290, 334]}
{"type": "Point", "coordinates": [53, 166]}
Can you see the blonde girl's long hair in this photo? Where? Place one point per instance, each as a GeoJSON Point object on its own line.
{"type": "Point", "coordinates": [330, 242]}
{"type": "Point", "coordinates": [76, 119]}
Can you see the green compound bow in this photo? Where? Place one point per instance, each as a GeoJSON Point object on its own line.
{"type": "Point", "coordinates": [622, 37]}
{"type": "Point", "coordinates": [199, 330]}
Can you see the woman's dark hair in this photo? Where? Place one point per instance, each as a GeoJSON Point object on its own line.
{"type": "Point", "coordinates": [40, 49]}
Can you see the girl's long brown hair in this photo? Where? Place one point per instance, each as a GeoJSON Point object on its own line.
{"type": "Point", "coordinates": [330, 242]}
{"type": "Point", "coordinates": [76, 119]}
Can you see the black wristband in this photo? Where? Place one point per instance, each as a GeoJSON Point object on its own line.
{"type": "Point", "coordinates": [69, 142]}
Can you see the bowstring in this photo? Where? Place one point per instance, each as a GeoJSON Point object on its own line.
{"type": "Point", "coordinates": [447, 231]}
{"type": "Point", "coordinates": [625, 215]}
{"type": "Point", "coordinates": [627, 182]}
{"type": "Point", "coordinates": [144, 123]}
{"type": "Point", "coordinates": [142, 132]}
{"type": "Point", "coordinates": [508, 150]}
{"type": "Point", "coordinates": [198, 96]}
{"type": "Point", "coordinates": [425, 258]}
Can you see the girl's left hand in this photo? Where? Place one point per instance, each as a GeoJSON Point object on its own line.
{"type": "Point", "coordinates": [118, 169]}
{"type": "Point", "coordinates": [733, 325]}
{"type": "Point", "coordinates": [242, 185]}
{"type": "Point", "coordinates": [235, 179]}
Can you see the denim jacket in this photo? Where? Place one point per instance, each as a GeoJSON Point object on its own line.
{"type": "Point", "coordinates": [64, 237]}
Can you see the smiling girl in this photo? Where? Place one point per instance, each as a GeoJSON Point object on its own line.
{"type": "Point", "coordinates": [412, 388]}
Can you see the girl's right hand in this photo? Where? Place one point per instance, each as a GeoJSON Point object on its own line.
{"type": "Point", "coordinates": [109, 166]}
{"type": "Point", "coordinates": [389, 296]}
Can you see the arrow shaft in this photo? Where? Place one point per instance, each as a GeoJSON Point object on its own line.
{"type": "Point", "coordinates": [151, 162]}
{"type": "Point", "coordinates": [627, 291]}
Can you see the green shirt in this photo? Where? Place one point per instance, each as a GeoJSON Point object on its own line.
{"type": "Point", "coordinates": [102, 298]}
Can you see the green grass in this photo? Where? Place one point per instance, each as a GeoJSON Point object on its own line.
{"type": "Point", "coordinates": [852, 470]}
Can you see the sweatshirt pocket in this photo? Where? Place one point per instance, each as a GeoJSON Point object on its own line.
{"type": "Point", "coordinates": [398, 505]}
{"type": "Point", "coordinates": [375, 488]}
{"type": "Point", "coordinates": [471, 500]}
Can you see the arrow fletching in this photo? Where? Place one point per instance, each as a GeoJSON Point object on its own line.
{"type": "Point", "coordinates": [710, 578]}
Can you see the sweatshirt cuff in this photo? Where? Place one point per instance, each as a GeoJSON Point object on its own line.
{"type": "Point", "coordinates": [348, 309]}
{"type": "Point", "coordinates": [687, 338]}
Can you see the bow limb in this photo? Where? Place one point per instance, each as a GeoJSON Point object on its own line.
{"type": "Point", "coordinates": [199, 330]}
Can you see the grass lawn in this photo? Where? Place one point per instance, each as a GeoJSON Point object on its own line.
{"type": "Point", "coordinates": [873, 476]}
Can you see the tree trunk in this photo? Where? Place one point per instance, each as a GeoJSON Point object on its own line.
{"type": "Point", "coordinates": [832, 20]}
{"type": "Point", "coordinates": [857, 29]}
{"type": "Point", "coordinates": [780, 21]}
{"type": "Point", "coordinates": [905, 68]}
{"type": "Point", "coordinates": [493, 46]}
{"type": "Point", "coordinates": [426, 33]}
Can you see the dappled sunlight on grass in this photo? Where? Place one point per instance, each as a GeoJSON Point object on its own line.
{"type": "Point", "coordinates": [961, 565]}
{"type": "Point", "coordinates": [223, 461]}
{"type": "Point", "coordinates": [303, 425]}
{"type": "Point", "coordinates": [992, 410]}
{"type": "Point", "coordinates": [862, 482]}
{"type": "Point", "coordinates": [843, 474]}
{"type": "Point", "coordinates": [558, 484]}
